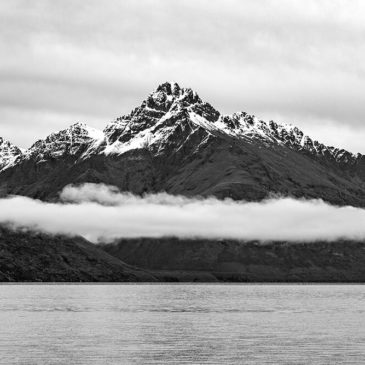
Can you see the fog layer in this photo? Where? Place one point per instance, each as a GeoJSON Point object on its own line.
{"type": "Point", "coordinates": [100, 212]}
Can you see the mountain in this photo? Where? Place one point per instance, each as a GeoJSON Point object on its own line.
{"type": "Point", "coordinates": [78, 140]}
{"type": "Point", "coordinates": [34, 256]}
{"type": "Point", "coordinates": [227, 260]}
{"type": "Point", "coordinates": [31, 256]}
{"type": "Point", "coordinates": [176, 142]}
{"type": "Point", "coordinates": [8, 154]}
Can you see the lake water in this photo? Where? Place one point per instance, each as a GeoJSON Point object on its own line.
{"type": "Point", "coordinates": [182, 324]}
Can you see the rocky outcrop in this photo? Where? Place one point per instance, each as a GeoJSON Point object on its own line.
{"type": "Point", "coordinates": [9, 154]}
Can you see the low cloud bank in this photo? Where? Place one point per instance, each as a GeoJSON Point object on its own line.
{"type": "Point", "coordinates": [100, 212]}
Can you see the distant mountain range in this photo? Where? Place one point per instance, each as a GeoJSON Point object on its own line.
{"type": "Point", "coordinates": [177, 143]}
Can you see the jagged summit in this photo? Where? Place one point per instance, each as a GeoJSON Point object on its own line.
{"type": "Point", "coordinates": [77, 139]}
{"type": "Point", "coordinates": [169, 87]}
{"type": "Point", "coordinates": [9, 153]}
{"type": "Point", "coordinates": [170, 103]}
{"type": "Point", "coordinates": [163, 110]}
{"type": "Point", "coordinates": [168, 93]}
{"type": "Point", "coordinates": [177, 143]}
{"type": "Point", "coordinates": [170, 112]}
{"type": "Point", "coordinates": [249, 127]}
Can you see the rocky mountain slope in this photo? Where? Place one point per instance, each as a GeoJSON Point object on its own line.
{"type": "Point", "coordinates": [9, 154]}
{"type": "Point", "coordinates": [30, 256]}
{"type": "Point", "coordinates": [176, 142]}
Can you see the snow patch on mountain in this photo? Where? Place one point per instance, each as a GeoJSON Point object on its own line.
{"type": "Point", "coordinates": [9, 154]}
{"type": "Point", "coordinates": [77, 140]}
{"type": "Point", "coordinates": [251, 129]}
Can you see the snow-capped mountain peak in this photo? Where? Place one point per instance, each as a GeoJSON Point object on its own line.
{"type": "Point", "coordinates": [166, 105]}
{"type": "Point", "coordinates": [9, 154]}
{"type": "Point", "coordinates": [169, 93]}
{"type": "Point", "coordinates": [250, 128]}
{"type": "Point", "coordinates": [170, 112]}
{"type": "Point", "coordinates": [169, 103]}
{"type": "Point", "coordinates": [78, 140]}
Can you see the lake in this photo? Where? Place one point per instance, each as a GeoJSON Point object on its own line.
{"type": "Point", "coordinates": [182, 324]}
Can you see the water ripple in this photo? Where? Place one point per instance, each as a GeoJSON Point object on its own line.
{"type": "Point", "coordinates": [182, 324]}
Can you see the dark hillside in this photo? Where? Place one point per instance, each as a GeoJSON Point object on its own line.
{"type": "Point", "coordinates": [342, 261]}
{"type": "Point", "coordinates": [29, 256]}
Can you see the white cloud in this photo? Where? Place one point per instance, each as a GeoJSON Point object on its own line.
{"type": "Point", "coordinates": [101, 212]}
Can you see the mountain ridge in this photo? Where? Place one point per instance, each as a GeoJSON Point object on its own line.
{"type": "Point", "coordinates": [176, 142]}
{"type": "Point", "coordinates": [170, 98]}
{"type": "Point", "coordinates": [8, 154]}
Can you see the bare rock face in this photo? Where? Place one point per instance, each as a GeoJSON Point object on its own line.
{"type": "Point", "coordinates": [176, 142]}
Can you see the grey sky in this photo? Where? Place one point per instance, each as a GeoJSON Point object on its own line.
{"type": "Point", "coordinates": [296, 61]}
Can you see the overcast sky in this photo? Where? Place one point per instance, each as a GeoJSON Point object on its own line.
{"type": "Point", "coordinates": [301, 62]}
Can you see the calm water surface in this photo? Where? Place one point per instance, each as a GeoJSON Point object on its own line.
{"type": "Point", "coordinates": [182, 324]}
